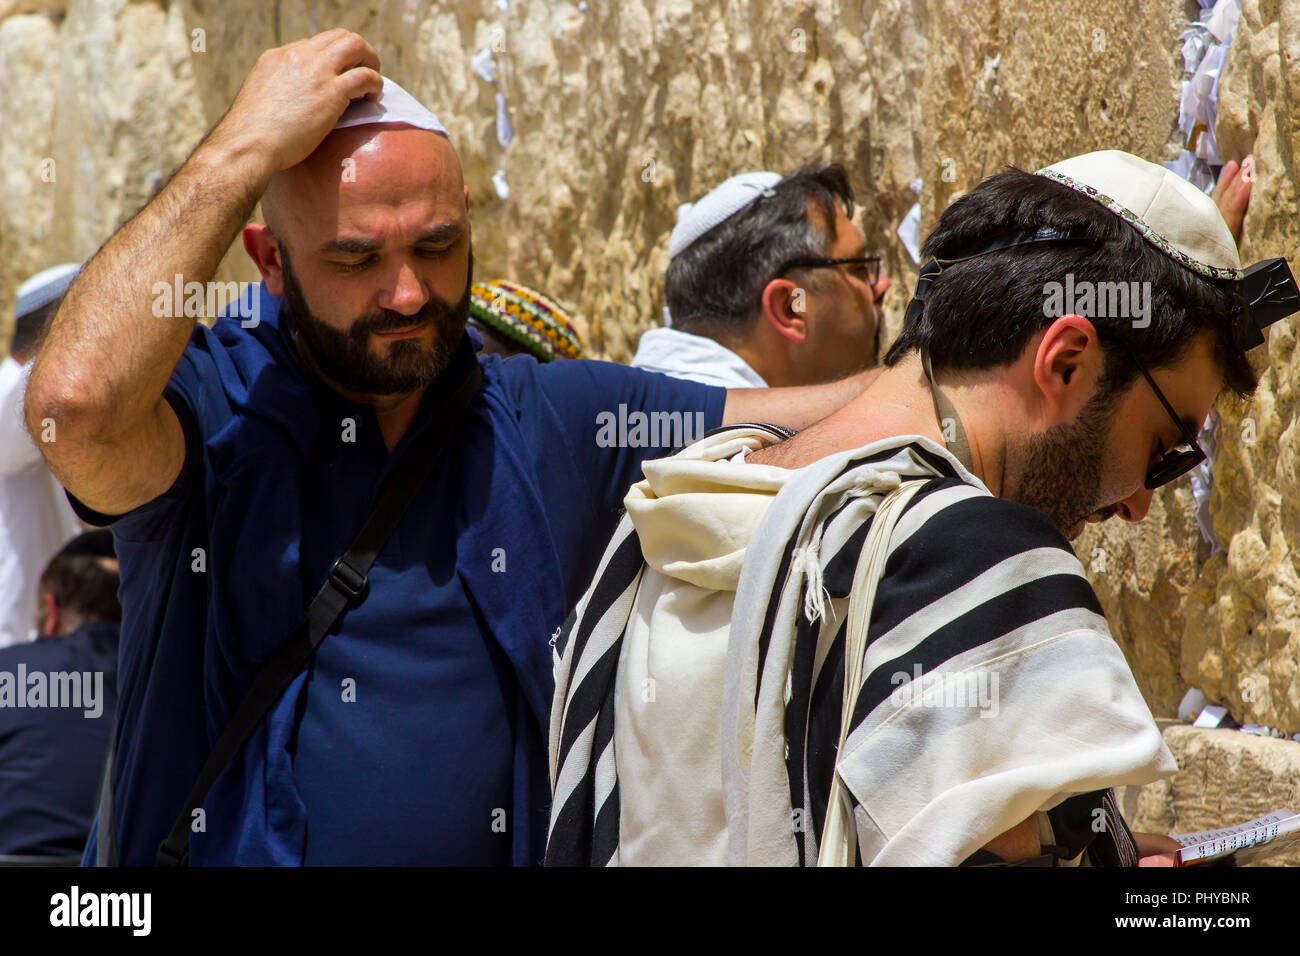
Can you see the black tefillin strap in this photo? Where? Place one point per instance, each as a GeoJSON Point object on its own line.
{"type": "Point", "coordinates": [945, 412]}
{"type": "Point", "coordinates": [1020, 237]}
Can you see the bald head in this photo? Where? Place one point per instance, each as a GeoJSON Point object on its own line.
{"type": "Point", "coordinates": [359, 168]}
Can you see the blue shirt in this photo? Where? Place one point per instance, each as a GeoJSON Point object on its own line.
{"type": "Point", "coordinates": [51, 756]}
{"type": "Point", "coordinates": [416, 735]}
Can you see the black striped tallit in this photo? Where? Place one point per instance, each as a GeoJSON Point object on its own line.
{"type": "Point", "coordinates": [962, 541]}
{"type": "Point", "coordinates": [959, 536]}
{"type": "Point", "coordinates": [584, 815]}
{"type": "Point", "coordinates": [584, 781]}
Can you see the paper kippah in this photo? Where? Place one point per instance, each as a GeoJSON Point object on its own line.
{"type": "Point", "coordinates": [727, 199]}
{"type": "Point", "coordinates": [394, 105]}
{"type": "Point", "coordinates": [1168, 211]}
{"type": "Point", "coordinates": [44, 287]}
{"type": "Point", "coordinates": [526, 318]}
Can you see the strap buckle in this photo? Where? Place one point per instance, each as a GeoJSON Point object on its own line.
{"type": "Point", "coordinates": [169, 857]}
{"type": "Point", "coordinates": [346, 579]}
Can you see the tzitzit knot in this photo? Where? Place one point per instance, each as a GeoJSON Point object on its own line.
{"type": "Point", "coordinates": [808, 561]}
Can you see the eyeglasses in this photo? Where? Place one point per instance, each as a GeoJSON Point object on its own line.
{"type": "Point", "coordinates": [868, 273]}
{"type": "Point", "coordinates": [1180, 459]}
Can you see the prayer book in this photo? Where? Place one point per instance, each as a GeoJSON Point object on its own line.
{"type": "Point", "coordinates": [1255, 839]}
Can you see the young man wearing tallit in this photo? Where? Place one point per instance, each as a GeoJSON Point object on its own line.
{"type": "Point", "coordinates": [1070, 332]}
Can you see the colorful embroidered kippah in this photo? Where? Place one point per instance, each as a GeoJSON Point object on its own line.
{"type": "Point", "coordinates": [526, 318]}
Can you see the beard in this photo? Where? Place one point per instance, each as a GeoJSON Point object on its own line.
{"type": "Point", "coordinates": [345, 356]}
{"type": "Point", "coordinates": [1061, 469]}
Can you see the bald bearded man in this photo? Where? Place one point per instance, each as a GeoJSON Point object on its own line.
{"type": "Point", "coordinates": [237, 463]}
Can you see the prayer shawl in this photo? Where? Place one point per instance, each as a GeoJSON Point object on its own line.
{"type": "Point", "coordinates": [699, 680]}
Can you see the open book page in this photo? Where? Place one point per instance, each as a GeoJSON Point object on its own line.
{"type": "Point", "coordinates": [1250, 840]}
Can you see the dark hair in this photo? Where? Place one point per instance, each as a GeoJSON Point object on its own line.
{"type": "Point", "coordinates": [84, 584]}
{"type": "Point", "coordinates": [715, 285]}
{"type": "Point", "coordinates": [97, 542]}
{"type": "Point", "coordinates": [981, 312]}
{"type": "Point", "coordinates": [28, 328]}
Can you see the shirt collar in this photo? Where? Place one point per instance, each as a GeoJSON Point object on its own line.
{"type": "Point", "coordinates": [695, 358]}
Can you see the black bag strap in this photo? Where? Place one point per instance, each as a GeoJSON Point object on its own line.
{"type": "Point", "coordinates": [106, 834]}
{"type": "Point", "coordinates": [346, 582]}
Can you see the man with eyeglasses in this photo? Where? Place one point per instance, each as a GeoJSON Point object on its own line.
{"type": "Point", "coordinates": [986, 713]}
{"type": "Point", "coordinates": [769, 283]}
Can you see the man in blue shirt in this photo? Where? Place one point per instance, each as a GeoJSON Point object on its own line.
{"type": "Point", "coordinates": [58, 695]}
{"type": "Point", "coordinates": [236, 463]}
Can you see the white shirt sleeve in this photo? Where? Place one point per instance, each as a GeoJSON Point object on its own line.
{"type": "Point", "coordinates": [17, 450]}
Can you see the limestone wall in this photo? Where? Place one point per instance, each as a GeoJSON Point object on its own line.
{"type": "Point", "coordinates": [622, 110]}
{"type": "Point", "coordinates": [1224, 778]}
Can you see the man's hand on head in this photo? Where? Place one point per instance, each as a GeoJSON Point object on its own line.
{"type": "Point", "coordinates": [108, 354]}
{"type": "Point", "coordinates": [294, 95]}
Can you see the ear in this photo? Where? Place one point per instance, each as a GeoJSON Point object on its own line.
{"type": "Point", "coordinates": [49, 626]}
{"type": "Point", "coordinates": [1066, 366]}
{"type": "Point", "coordinates": [264, 250]}
{"type": "Point", "coordinates": [784, 308]}
{"type": "Point", "coordinates": [466, 199]}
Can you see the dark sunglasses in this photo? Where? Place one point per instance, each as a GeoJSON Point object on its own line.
{"type": "Point", "coordinates": [1183, 457]}
{"type": "Point", "coordinates": [870, 272]}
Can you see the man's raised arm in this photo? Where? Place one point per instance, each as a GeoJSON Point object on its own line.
{"type": "Point", "coordinates": [99, 378]}
{"type": "Point", "coordinates": [797, 406]}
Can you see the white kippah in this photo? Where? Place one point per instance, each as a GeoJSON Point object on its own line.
{"type": "Point", "coordinates": [44, 287]}
{"type": "Point", "coordinates": [394, 105]}
{"type": "Point", "coordinates": [695, 219]}
{"type": "Point", "coordinates": [1169, 212]}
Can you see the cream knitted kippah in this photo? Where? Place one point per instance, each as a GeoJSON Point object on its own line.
{"type": "Point", "coordinates": [1169, 212]}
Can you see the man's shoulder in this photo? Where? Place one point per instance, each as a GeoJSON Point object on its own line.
{"type": "Point", "coordinates": [563, 372]}
{"type": "Point", "coordinates": [953, 522]}
{"type": "Point", "coordinates": [960, 504]}
{"type": "Point", "coordinates": [39, 654]}
{"type": "Point", "coordinates": [964, 567]}
{"type": "Point", "coordinates": [694, 358]}
{"type": "Point", "coordinates": [204, 370]}
{"type": "Point", "coordinates": [992, 563]}
{"type": "Point", "coordinates": [241, 344]}
{"type": "Point", "coordinates": [236, 369]}
{"type": "Point", "coordinates": [587, 386]}
{"type": "Point", "coordinates": [52, 653]}
{"type": "Point", "coordinates": [950, 496]}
